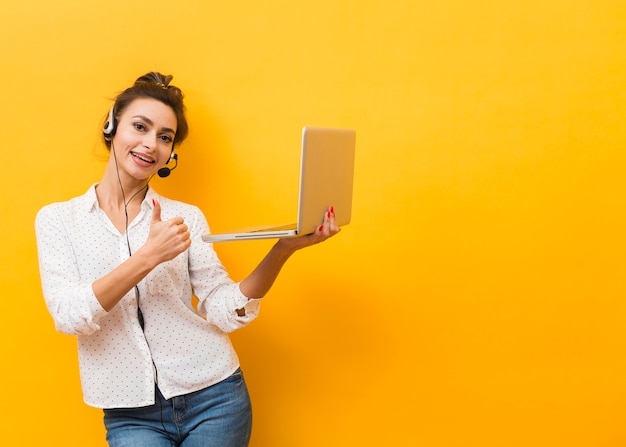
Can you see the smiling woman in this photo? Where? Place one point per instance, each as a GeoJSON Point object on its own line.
{"type": "Point", "coordinates": [146, 132]}
{"type": "Point", "coordinates": [119, 267]}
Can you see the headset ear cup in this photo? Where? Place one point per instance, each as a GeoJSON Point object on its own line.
{"type": "Point", "coordinates": [109, 126]}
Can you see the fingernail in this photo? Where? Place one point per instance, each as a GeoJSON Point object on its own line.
{"type": "Point", "coordinates": [153, 202]}
{"type": "Point", "coordinates": [332, 209]}
{"type": "Point", "coordinates": [321, 228]}
{"type": "Point", "coordinates": [328, 214]}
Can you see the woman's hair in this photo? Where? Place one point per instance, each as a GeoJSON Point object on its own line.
{"type": "Point", "coordinates": [156, 86]}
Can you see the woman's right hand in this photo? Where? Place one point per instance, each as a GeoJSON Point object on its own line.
{"type": "Point", "coordinates": [169, 238]}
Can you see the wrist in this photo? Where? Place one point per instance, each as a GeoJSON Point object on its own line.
{"type": "Point", "coordinates": [145, 259]}
{"type": "Point", "coordinates": [285, 247]}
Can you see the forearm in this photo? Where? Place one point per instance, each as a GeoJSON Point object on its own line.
{"type": "Point", "coordinates": [259, 282]}
{"type": "Point", "coordinates": [112, 287]}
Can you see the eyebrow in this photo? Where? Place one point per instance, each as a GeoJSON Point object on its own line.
{"type": "Point", "coordinates": [149, 121]}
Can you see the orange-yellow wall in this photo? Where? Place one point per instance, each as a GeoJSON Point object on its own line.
{"type": "Point", "coordinates": [477, 299]}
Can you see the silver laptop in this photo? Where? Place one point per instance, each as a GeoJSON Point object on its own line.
{"type": "Point", "coordinates": [326, 176]}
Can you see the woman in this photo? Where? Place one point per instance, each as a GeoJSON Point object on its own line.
{"type": "Point", "coordinates": [119, 265]}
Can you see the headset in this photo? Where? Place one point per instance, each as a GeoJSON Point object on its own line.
{"type": "Point", "coordinates": [165, 171]}
{"type": "Point", "coordinates": [110, 126]}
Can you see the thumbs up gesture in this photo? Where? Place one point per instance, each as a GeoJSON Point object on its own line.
{"type": "Point", "coordinates": [169, 238]}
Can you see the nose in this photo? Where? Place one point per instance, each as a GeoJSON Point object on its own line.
{"type": "Point", "coordinates": [150, 140]}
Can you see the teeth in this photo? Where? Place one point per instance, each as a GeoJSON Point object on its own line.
{"type": "Point", "coordinates": [142, 158]}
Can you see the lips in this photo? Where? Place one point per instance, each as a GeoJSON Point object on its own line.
{"type": "Point", "coordinates": [143, 158]}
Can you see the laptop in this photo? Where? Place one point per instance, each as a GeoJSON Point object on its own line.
{"type": "Point", "coordinates": [326, 176]}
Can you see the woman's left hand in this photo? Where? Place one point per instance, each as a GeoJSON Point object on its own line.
{"type": "Point", "coordinates": [326, 230]}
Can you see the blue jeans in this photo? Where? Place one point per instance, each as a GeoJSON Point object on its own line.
{"type": "Point", "coordinates": [220, 415]}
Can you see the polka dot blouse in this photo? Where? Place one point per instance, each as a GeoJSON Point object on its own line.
{"type": "Point", "coordinates": [182, 346]}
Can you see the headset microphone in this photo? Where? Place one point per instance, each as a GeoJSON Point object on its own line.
{"type": "Point", "coordinates": [165, 171]}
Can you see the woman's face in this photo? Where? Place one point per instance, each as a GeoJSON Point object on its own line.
{"type": "Point", "coordinates": [144, 137]}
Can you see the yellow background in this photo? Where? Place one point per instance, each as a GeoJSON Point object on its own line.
{"type": "Point", "coordinates": [477, 299]}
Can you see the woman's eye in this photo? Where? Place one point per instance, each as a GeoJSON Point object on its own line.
{"type": "Point", "coordinates": [166, 138]}
{"type": "Point", "coordinates": [139, 126]}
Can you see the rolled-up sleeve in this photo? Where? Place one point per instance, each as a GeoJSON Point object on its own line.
{"type": "Point", "coordinates": [219, 297]}
{"type": "Point", "coordinates": [72, 304]}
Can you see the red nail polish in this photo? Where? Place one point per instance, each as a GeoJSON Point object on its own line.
{"type": "Point", "coordinates": [328, 214]}
{"type": "Point", "coordinates": [321, 228]}
{"type": "Point", "coordinates": [332, 209]}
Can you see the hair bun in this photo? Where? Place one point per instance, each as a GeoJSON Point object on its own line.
{"type": "Point", "coordinates": [157, 78]}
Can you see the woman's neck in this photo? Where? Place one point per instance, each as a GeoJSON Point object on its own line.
{"type": "Point", "coordinates": [117, 193]}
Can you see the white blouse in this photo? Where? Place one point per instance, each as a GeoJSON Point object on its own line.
{"type": "Point", "coordinates": [184, 348]}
